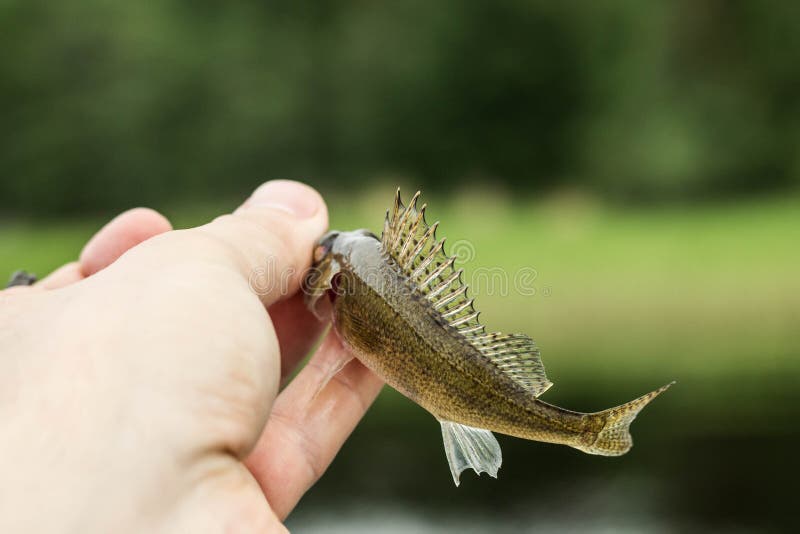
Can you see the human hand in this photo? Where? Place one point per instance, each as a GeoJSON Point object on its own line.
{"type": "Point", "coordinates": [139, 387]}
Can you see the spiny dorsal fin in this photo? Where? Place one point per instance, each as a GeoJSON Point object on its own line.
{"type": "Point", "coordinates": [411, 242]}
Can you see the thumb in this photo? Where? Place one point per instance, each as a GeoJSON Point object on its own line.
{"type": "Point", "coordinates": [268, 240]}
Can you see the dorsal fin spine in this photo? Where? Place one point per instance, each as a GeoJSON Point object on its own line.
{"type": "Point", "coordinates": [466, 318]}
{"type": "Point", "coordinates": [411, 233]}
{"type": "Point", "coordinates": [403, 217]}
{"type": "Point", "coordinates": [434, 251]}
{"type": "Point", "coordinates": [471, 329]}
{"type": "Point", "coordinates": [441, 286]}
{"type": "Point", "coordinates": [458, 309]}
{"type": "Point", "coordinates": [418, 249]}
{"type": "Point", "coordinates": [449, 297]}
{"type": "Point", "coordinates": [439, 270]}
{"type": "Point", "coordinates": [395, 212]}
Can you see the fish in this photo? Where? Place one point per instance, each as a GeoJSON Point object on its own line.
{"type": "Point", "coordinates": [400, 306]}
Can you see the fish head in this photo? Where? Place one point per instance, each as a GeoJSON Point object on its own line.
{"type": "Point", "coordinates": [332, 251]}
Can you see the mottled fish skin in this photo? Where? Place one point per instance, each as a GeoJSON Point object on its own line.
{"type": "Point", "coordinates": [393, 332]}
{"type": "Point", "coordinates": [391, 326]}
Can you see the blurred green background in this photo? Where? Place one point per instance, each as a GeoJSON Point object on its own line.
{"type": "Point", "coordinates": [641, 157]}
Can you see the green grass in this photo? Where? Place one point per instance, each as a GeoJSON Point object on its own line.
{"type": "Point", "coordinates": [625, 299]}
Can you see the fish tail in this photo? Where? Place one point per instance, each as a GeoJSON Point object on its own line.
{"type": "Point", "coordinates": [614, 438]}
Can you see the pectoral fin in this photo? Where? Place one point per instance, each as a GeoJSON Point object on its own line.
{"type": "Point", "coordinates": [468, 447]}
{"type": "Point", "coordinates": [331, 369]}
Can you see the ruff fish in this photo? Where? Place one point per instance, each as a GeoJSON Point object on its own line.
{"type": "Point", "coordinates": [400, 305]}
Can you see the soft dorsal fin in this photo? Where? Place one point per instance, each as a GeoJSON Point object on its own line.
{"type": "Point", "coordinates": [411, 242]}
{"type": "Point", "coordinates": [517, 356]}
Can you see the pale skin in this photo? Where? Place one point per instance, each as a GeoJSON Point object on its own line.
{"type": "Point", "coordinates": [140, 387]}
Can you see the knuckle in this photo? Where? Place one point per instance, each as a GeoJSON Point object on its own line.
{"type": "Point", "coordinates": [271, 237]}
{"type": "Point", "coordinates": [204, 243]}
{"type": "Point", "coordinates": [307, 449]}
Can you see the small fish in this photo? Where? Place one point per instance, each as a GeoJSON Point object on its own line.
{"type": "Point", "coordinates": [399, 304]}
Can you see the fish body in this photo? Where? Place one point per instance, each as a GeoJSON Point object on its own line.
{"type": "Point", "coordinates": [399, 304]}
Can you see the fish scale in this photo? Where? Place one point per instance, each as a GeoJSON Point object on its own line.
{"type": "Point", "coordinates": [399, 303]}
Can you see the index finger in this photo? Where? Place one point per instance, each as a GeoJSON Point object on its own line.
{"type": "Point", "coordinates": [308, 425]}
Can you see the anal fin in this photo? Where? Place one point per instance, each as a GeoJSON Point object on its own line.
{"type": "Point", "coordinates": [469, 447]}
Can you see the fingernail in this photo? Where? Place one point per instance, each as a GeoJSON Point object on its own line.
{"type": "Point", "coordinates": [285, 195]}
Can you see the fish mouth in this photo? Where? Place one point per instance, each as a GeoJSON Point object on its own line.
{"type": "Point", "coordinates": [318, 281]}
{"type": "Point", "coordinates": [316, 284]}
{"type": "Point", "coordinates": [324, 246]}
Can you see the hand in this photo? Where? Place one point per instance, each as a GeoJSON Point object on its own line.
{"type": "Point", "coordinates": [139, 387]}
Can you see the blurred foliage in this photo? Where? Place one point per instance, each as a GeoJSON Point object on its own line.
{"type": "Point", "coordinates": [108, 104]}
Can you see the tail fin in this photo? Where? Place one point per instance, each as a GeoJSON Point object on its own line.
{"type": "Point", "coordinates": [615, 438]}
